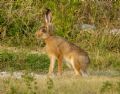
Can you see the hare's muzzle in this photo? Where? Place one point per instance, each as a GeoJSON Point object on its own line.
{"type": "Point", "coordinates": [38, 34]}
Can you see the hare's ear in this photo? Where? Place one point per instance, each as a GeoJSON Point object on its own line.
{"type": "Point", "coordinates": [48, 16]}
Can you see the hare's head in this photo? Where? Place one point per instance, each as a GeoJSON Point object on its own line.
{"type": "Point", "coordinates": [45, 30]}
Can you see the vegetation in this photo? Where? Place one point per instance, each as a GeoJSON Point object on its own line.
{"type": "Point", "coordinates": [64, 85]}
{"type": "Point", "coordinates": [22, 61]}
{"type": "Point", "coordinates": [19, 20]}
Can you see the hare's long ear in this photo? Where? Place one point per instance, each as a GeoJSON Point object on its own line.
{"type": "Point", "coordinates": [48, 17]}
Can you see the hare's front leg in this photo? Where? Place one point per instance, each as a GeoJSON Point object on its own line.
{"type": "Point", "coordinates": [52, 63]}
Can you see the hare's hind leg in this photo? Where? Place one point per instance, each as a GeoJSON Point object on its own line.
{"type": "Point", "coordinates": [76, 66]}
{"type": "Point", "coordinates": [84, 73]}
{"type": "Point", "coordinates": [60, 60]}
{"type": "Point", "coordinates": [83, 70]}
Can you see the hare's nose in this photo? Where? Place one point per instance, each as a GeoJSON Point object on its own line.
{"type": "Point", "coordinates": [36, 34]}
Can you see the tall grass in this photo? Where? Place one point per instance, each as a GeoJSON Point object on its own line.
{"type": "Point", "coordinates": [22, 18]}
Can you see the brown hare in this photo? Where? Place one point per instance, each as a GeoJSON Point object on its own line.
{"type": "Point", "coordinates": [60, 49]}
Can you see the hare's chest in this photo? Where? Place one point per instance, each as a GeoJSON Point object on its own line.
{"type": "Point", "coordinates": [52, 49]}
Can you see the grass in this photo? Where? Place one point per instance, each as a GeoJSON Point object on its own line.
{"type": "Point", "coordinates": [61, 85]}
{"type": "Point", "coordinates": [20, 19]}
{"type": "Point", "coordinates": [26, 59]}
{"type": "Point", "coordinates": [23, 61]}
{"type": "Point", "coordinates": [104, 73]}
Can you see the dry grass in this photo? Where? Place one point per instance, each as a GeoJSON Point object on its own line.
{"type": "Point", "coordinates": [60, 85]}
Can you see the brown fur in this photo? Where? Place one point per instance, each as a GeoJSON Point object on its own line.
{"type": "Point", "coordinates": [59, 48]}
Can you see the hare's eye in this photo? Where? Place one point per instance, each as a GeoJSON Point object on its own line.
{"type": "Point", "coordinates": [44, 30]}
